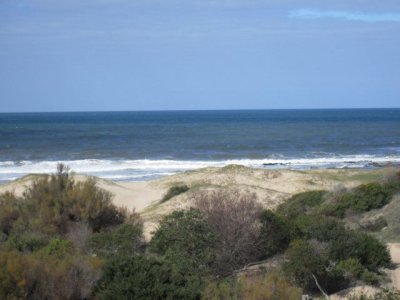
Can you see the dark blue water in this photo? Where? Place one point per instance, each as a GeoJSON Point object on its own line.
{"type": "Point", "coordinates": [140, 145]}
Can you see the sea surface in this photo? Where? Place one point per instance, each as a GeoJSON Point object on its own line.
{"type": "Point", "coordinates": [146, 145]}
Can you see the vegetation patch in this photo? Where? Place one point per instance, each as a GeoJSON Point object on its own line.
{"type": "Point", "coordinates": [174, 191]}
{"type": "Point", "coordinates": [66, 240]}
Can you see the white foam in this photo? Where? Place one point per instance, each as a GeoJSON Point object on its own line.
{"type": "Point", "coordinates": [145, 168]}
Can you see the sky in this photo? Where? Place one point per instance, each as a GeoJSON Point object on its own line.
{"type": "Point", "coordinates": [100, 55]}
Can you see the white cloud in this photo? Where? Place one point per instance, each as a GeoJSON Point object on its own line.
{"type": "Point", "coordinates": [344, 15]}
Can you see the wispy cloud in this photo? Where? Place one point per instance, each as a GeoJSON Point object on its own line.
{"type": "Point", "coordinates": [344, 15]}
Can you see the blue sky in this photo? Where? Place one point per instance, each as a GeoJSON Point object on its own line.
{"type": "Point", "coordinates": [81, 55]}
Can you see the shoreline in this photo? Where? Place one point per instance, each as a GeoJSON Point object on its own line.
{"type": "Point", "coordinates": [149, 170]}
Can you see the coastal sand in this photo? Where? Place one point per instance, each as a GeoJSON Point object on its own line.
{"type": "Point", "coordinates": [394, 249]}
{"type": "Point", "coordinates": [271, 187]}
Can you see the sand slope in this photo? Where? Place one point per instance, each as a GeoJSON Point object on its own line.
{"type": "Point", "coordinates": [271, 187]}
{"type": "Point", "coordinates": [394, 249]}
{"type": "Point", "coordinates": [132, 195]}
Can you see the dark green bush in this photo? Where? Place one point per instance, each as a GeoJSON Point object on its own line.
{"type": "Point", "coordinates": [351, 268]}
{"type": "Point", "coordinates": [58, 248]}
{"type": "Point", "coordinates": [9, 212]}
{"type": "Point", "coordinates": [301, 203]}
{"type": "Point", "coordinates": [124, 240]}
{"type": "Point", "coordinates": [351, 254]}
{"type": "Point", "coordinates": [308, 259]}
{"type": "Point", "coordinates": [370, 196]}
{"type": "Point", "coordinates": [140, 277]}
{"type": "Point", "coordinates": [174, 191]}
{"type": "Point", "coordinates": [371, 253]}
{"type": "Point", "coordinates": [321, 228]}
{"type": "Point", "coordinates": [184, 238]}
{"type": "Point", "coordinates": [360, 199]}
{"type": "Point", "coordinates": [376, 225]}
{"type": "Point", "coordinates": [26, 242]}
{"type": "Point", "coordinates": [275, 234]}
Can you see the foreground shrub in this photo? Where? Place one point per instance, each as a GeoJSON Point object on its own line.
{"type": "Point", "coordinates": [324, 229]}
{"type": "Point", "coordinates": [263, 287]}
{"type": "Point", "coordinates": [46, 277]}
{"type": "Point", "coordinates": [371, 253]}
{"type": "Point", "coordinates": [9, 212]}
{"type": "Point", "coordinates": [301, 203]}
{"type": "Point", "coordinates": [234, 219]}
{"type": "Point", "coordinates": [124, 240]}
{"type": "Point", "coordinates": [342, 243]}
{"type": "Point", "coordinates": [50, 207]}
{"type": "Point", "coordinates": [142, 277]}
{"type": "Point", "coordinates": [175, 191]}
{"type": "Point", "coordinates": [275, 234]}
{"type": "Point", "coordinates": [58, 248]}
{"type": "Point", "coordinates": [309, 265]}
{"type": "Point", "coordinates": [375, 225]}
{"type": "Point", "coordinates": [185, 238]}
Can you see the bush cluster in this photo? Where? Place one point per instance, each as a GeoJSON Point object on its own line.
{"type": "Point", "coordinates": [45, 251]}
{"type": "Point", "coordinates": [66, 240]}
{"type": "Point", "coordinates": [361, 199]}
{"type": "Point", "coordinates": [174, 191]}
{"type": "Point", "coordinates": [324, 251]}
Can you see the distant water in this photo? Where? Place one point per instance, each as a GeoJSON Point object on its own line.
{"type": "Point", "coordinates": [145, 145]}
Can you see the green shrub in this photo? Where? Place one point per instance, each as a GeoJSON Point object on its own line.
{"type": "Point", "coordinates": [124, 240]}
{"type": "Point", "coordinates": [308, 259]}
{"type": "Point", "coordinates": [371, 253]}
{"type": "Point", "coordinates": [140, 277]}
{"type": "Point", "coordinates": [49, 208]}
{"type": "Point", "coordinates": [360, 199]}
{"type": "Point", "coordinates": [26, 242]}
{"type": "Point", "coordinates": [370, 278]}
{"type": "Point", "coordinates": [344, 243]}
{"type": "Point", "coordinates": [351, 268]}
{"type": "Point", "coordinates": [9, 212]}
{"type": "Point", "coordinates": [275, 234]}
{"type": "Point", "coordinates": [370, 196]}
{"type": "Point", "coordinates": [184, 238]}
{"type": "Point", "coordinates": [376, 225]}
{"type": "Point", "coordinates": [58, 248]}
{"type": "Point", "coordinates": [321, 228]}
{"type": "Point", "coordinates": [301, 203]}
{"type": "Point", "coordinates": [174, 191]}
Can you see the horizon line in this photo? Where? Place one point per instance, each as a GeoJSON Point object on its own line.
{"type": "Point", "coordinates": [195, 110]}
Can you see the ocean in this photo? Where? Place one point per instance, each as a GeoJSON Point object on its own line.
{"type": "Point", "coordinates": [147, 145]}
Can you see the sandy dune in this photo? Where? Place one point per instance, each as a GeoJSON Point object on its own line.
{"type": "Point", "coordinates": [271, 187]}
{"type": "Point", "coordinates": [132, 195]}
{"type": "Point", "coordinates": [394, 249]}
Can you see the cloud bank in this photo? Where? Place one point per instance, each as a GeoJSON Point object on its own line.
{"type": "Point", "coordinates": [344, 15]}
